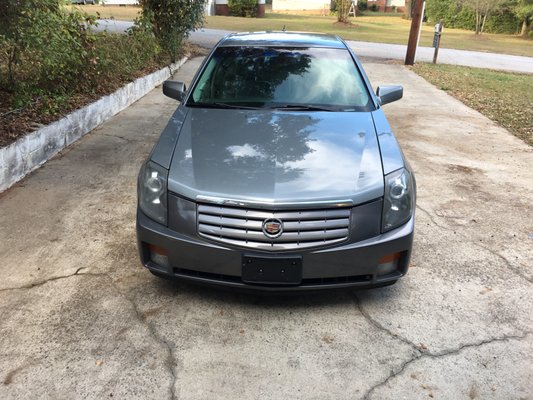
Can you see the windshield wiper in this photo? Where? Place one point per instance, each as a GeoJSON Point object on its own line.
{"type": "Point", "coordinates": [303, 107]}
{"type": "Point", "coordinates": [223, 105]}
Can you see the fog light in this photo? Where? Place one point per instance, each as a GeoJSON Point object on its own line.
{"type": "Point", "coordinates": [158, 255]}
{"type": "Point", "coordinates": [388, 264]}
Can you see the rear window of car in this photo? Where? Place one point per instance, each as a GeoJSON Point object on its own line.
{"type": "Point", "coordinates": [276, 77]}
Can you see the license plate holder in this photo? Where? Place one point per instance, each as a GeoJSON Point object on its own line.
{"type": "Point", "coordinates": [272, 270]}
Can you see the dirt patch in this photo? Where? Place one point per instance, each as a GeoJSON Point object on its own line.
{"type": "Point", "coordinates": [345, 25]}
{"type": "Point", "coordinates": [8, 380]}
{"type": "Point", "coordinates": [463, 169]}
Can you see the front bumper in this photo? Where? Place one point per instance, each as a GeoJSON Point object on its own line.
{"type": "Point", "coordinates": [195, 259]}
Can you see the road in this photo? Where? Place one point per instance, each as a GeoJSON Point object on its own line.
{"type": "Point", "coordinates": [208, 37]}
{"type": "Point", "coordinates": [82, 319]}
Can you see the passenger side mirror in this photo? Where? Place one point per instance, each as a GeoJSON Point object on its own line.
{"type": "Point", "coordinates": [174, 89]}
{"type": "Point", "coordinates": [388, 94]}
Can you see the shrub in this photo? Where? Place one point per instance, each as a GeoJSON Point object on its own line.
{"type": "Point", "coordinates": [374, 7]}
{"type": "Point", "coordinates": [48, 54]}
{"type": "Point", "coordinates": [243, 8]}
{"type": "Point", "coordinates": [171, 21]}
{"type": "Point", "coordinates": [455, 16]}
{"type": "Point", "coordinates": [46, 45]}
{"type": "Point", "coordinates": [362, 5]}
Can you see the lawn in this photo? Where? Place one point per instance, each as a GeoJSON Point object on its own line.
{"type": "Point", "coordinates": [504, 97]}
{"type": "Point", "coordinates": [371, 28]}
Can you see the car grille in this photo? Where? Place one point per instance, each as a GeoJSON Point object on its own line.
{"type": "Point", "coordinates": [301, 229]}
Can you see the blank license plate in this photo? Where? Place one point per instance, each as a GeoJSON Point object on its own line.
{"type": "Point", "coordinates": [271, 270]}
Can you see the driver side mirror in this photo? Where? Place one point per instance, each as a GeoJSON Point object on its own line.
{"type": "Point", "coordinates": [174, 89]}
{"type": "Point", "coordinates": [388, 94]}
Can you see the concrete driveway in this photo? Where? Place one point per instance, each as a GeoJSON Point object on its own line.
{"type": "Point", "coordinates": [82, 319]}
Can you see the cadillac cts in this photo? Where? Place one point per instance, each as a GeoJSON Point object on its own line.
{"type": "Point", "coordinates": [278, 171]}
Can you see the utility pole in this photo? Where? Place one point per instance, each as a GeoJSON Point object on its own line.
{"type": "Point", "coordinates": [414, 33]}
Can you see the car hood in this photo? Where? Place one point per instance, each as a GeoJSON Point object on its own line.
{"type": "Point", "coordinates": [267, 157]}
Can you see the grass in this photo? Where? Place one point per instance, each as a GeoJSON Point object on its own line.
{"type": "Point", "coordinates": [504, 97]}
{"type": "Point", "coordinates": [374, 27]}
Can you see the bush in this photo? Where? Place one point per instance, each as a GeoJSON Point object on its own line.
{"type": "Point", "coordinates": [116, 57]}
{"type": "Point", "coordinates": [451, 13]}
{"type": "Point", "coordinates": [46, 45]}
{"type": "Point", "coordinates": [243, 8]}
{"type": "Point", "coordinates": [503, 22]}
{"type": "Point", "coordinates": [362, 5]}
{"type": "Point", "coordinates": [171, 21]}
{"type": "Point", "coordinates": [48, 55]}
{"type": "Point", "coordinates": [455, 16]}
{"type": "Point", "coordinates": [374, 7]}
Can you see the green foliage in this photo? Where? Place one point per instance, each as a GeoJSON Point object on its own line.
{"type": "Point", "coordinates": [523, 11]}
{"type": "Point", "coordinates": [362, 5]}
{"type": "Point", "coordinates": [455, 15]}
{"type": "Point", "coordinates": [118, 57]}
{"type": "Point", "coordinates": [503, 21]}
{"type": "Point", "coordinates": [374, 7]}
{"type": "Point", "coordinates": [506, 19]}
{"type": "Point", "coordinates": [48, 54]}
{"type": "Point", "coordinates": [46, 44]}
{"type": "Point", "coordinates": [243, 8]}
{"type": "Point", "coordinates": [171, 21]}
{"type": "Point", "coordinates": [451, 13]}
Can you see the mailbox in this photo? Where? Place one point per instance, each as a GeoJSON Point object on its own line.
{"type": "Point", "coordinates": [438, 32]}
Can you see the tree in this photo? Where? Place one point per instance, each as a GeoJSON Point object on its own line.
{"type": "Point", "coordinates": [523, 10]}
{"type": "Point", "coordinates": [171, 21]}
{"type": "Point", "coordinates": [343, 8]}
{"type": "Point", "coordinates": [482, 9]}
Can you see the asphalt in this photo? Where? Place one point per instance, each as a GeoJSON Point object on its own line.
{"type": "Point", "coordinates": [208, 37]}
{"type": "Point", "coordinates": [82, 319]}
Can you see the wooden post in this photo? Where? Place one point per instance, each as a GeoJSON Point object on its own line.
{"type": "Point", "coordinates": [414, 33]}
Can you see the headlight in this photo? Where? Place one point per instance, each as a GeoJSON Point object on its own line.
{"type": "Point", "coordinates": [399, 196]}
{"type": "Point", "coordinates": [152, 191]}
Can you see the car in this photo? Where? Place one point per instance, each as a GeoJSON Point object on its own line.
{"type": "Point", "coordinates": [82, 1]}
{"type": "Point", "coordinates": [278, 171]}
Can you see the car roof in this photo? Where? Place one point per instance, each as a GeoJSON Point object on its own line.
{"type": "Point", "coordinates": [285, 39]}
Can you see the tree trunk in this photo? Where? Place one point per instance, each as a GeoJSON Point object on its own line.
{"type": "Point", "coordinates": [483, 23]}
{"type": "Point", "coordinates": [478, 20]}
{"type": "Point", "coordinates": [408, 9]}
{"type": "Point", "coordinates": [525, 29]}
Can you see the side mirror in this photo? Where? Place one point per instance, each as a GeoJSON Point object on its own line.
{"type": "Point", "coordinates": [388, 94]}
{"type": "Point", "coordinates": [174, 89]}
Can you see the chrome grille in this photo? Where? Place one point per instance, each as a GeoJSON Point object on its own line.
{"type": "Point", "coordinates": [301, 229]}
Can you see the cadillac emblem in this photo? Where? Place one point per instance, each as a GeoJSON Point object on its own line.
{"type": "Point", "coordinates": [272, 228]}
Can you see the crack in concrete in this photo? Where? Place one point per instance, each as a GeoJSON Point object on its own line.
{"type": "Point", "coordinates": [432, 219]}
{"type": "Point", "coordinates": [475, 243]}
{"type": "Point", "coordinates": [379, 326]}
{"type": "Point", "coordinates": [506, 262]}
{"type": "Point", "coordinates": [40, 283]}
{"type": "Point", "coordinates": [171, 358]}
{"type": "Point", "coordinates": [151, 329]}
{"type": "Point", "coordinates": [443, 353]}
{"type": "Point", "coordinates": [127, 140]}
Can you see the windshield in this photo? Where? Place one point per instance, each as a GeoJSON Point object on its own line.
{"type": "Point", "coordinates": [285, 78]}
